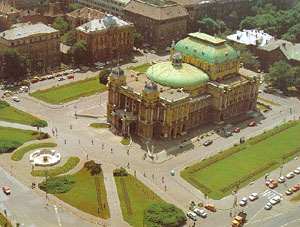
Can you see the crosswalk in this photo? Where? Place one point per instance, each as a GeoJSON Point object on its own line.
{"type": "Point", "coordinates": [270, 193]}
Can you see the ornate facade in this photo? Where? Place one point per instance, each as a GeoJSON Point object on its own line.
{"type": "Point", "coordinates": [201, 83]}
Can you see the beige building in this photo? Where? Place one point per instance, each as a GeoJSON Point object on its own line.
{"type": "Point", "coordinates": [159, 23]}
{"type": "Point", "coordinates": [83, 15]}
{"type": "Point", "coordinates": [8, 15]}
{"type": "Point", "coordinates": [38, 42]}
{"type": "Point", "coordinates": [200, 84]}
{"type": "Point", "coordinates": [108, 38]}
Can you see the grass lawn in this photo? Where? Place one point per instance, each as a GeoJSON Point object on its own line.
{"type": "Point", "coordinates": [83, 194]}
{"type": "Point", "coordinates": [19, 135]}
{"type": "Point", "coordinates": [3, 221]}
{"type": "Point", "coordinates": [19, 153]}
{"type": "Point", "coordinates": [125, 141]}
{"type": "Point", "coordinates": [52, 172]}
{"type": "Point", "coordinates": [99, 125]}
{"type": "Point", "coordinates": [219, 175]}
{"type": "Point", "coordinates": [140, 68]}
{"type": "Point", "coordinates": [11, 114]}
{"type": "Point", "coordinates": [71, 91]}
{"type": "Point", "coordinates": [134, 197]}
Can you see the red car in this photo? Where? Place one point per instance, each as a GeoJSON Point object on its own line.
{"type": "Point", "coordinates": [71, 77]}
{"type": "Point", "coordinates": [296, 188]}
{"type": "Point", "coordinates": [236, 130]}
{"type": "Point", "coordinates": [6, 190]}
{"type": "Point", "coordinates": [252, 124]}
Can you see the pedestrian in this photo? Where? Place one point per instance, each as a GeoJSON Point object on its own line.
{"type": "Point", "coordinates": [79, 141]}
{"type": "Point", "coordinates": [127, 151]}
{"type": "Point", "coordinates": [53, 133]}
{"type": "Point", "coordinates": [128, 165]}
{"type": "Point", "coordinates": [92, 142]}
{"type": "Point", "coordinates": [56, 132]}
{"type": "Point", "coordinates": [162, 179]}
{"type": "Point", "coordinates": [87, 156]}
{"type": "Point", "coordinates": [165, 188]}
{"type": "Point", "coordinates": [71, 127]}
{"type": "Point", "coordinates": [153, 176]}
{"type": "Point", "coordinates": [144, 174]}
{"type": "Point", "coordinates": [65, 141]}
{"type": "Point", "coordinates": [111, 150]}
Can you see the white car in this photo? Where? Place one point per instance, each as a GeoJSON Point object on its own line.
{"type": "Point", "coordinates": [296, 171]}
{"type": "Point", "coordinates": [76, 70]}
{"type": "Point", "coordinates": [192, 215]}
{"type": "Point", "coordinates": [253, 196]}
{"type": "Point", "coordinates": [243, 202]}
{"type": "Point", "coordinates": [268, 206]}
{"type": "Point", "coordinates": [200, 213]}
{"type": "Point", "coordinates": [281, 179]}
{"type": "Point", "coordinates": [289, 192]}
{"type": "Point", "coordinates": [275, 200]}
{"type": "Point", "coordinates": [290, 175]}
{"type": "Point", "coordinates": [16, 99]}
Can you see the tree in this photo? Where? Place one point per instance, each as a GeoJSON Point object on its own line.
{"type": "Point", "coordinates": [74, 6]}
{"type": "Point", "coordinates": [79, 53]}
{"type": "Point", "coordinates": [69, 38]}
{"type": "Point", "coordinates": [61, 25]}
{"type": "Point", "coordinates": [211, 26]}
{"type": "Point", "coordinates": [281, 75]}
{"type": "Point", "coordinates": [14, 65]}
{"type": "Point", "coordinates": [138, 39]}
{"type": "Point", "coordinates": [39, 124]}
{"type": "Point", "coordinates": [164, 215]}
{"type": "Point", "coordinates": [247, 58]}
{"type": "Point", "coordinates": [293, 34]}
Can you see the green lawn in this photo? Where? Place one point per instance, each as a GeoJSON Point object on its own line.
{"type": "Point", "coordinates": [83, 194]}
{"type": "Point", "coordinates": [13, 134]}
{"type": "Point", "coordinates": [11, 114]}
{"type": "Point", "coordinates": [19, 153]}
{"type": "Point", "coordinates": [3, 221]}
{"type": "Point", "coordinates": [99, 125]}
{"type": "Point", "coordinates": [125, 141]}
{"type": "Point", "coordinates": [52, 172]}
{"type": "Point", "coordinates": [71, 91]}
{"type": "Point", "coordinates": [219, 175]}
{"type": "Point", "coordinates": [134, 197]}
{"type": "Point", "coordinates": [140, 68]}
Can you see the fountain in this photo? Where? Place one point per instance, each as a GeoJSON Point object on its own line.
{"type": "Point", "coordinates": [44, 157]}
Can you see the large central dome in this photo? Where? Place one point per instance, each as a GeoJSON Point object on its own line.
{"type": "Point", "coordinates": [183, 76]}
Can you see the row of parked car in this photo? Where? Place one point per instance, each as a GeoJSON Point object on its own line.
{"type": "Point", "coordinates": [69, 73]}
{"type": "Point", "coordinates": [196, 212]}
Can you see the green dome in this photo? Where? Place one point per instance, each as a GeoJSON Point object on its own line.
{"type": "Point", "coordinates": [186, 75]}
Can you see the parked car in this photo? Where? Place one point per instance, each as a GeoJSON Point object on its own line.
{"type": "Point", "coordinates": [33, 81]}
{"type": "Point", "coordinates": [16, 99]}
{"type": "Point", "coordinates": [296, 171]}
{"type": "Point", "coordinates": [243, 202]}
{"type": "Point", "coordinates": [210, 207]}
{"type": "Point", "coordinates": [207, 143]}
{"type": "Point", "coordinates": [201, 213]}
{"type": "Point", "coordinates": [281, 179]}
{"type": "Point", "coordinates": [271, 183]}
{"type": "Point", "coordinates": [192, 215]}
{"type": "Point", "coordinates": [237, 130]}
{"type": "Point", "coordinates": [296, 188]}
{"type": "Point", "coordinates": [290, 175]}
{"type": "Point", "coordinates": [134, 60]}
{"type": "Point", "coordinates": [275, 200]}
{"type": "Point", "coordinates": [289, 191]}
{"type": "Point", "coordinates": [76, 70]}
{"type": "Point", "coordinates": [71, 76]}
{"type": "Point", "coordinates": [268, 206]}
{"type": "Point", "coordinates": [253, 196]}
{"type": "Point", "coordinates": [6, 190]}
{"type": "Point", "coordinates": [252, 124]}
{"type": "Point", "coordinates": [60, 79]}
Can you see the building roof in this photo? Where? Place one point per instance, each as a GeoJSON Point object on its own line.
{"type": "Point", "coordinates": [101, 24]}
{"type": "Point", "coordinates": [206, 48]}
{"type": "Point", "coordinates": [26, 30]}
{"type": "Point", "coordinates": [6, 9]}
{"type": "Point", "coordinates": [156, 11]}
{"type": "Point", "coordinates": [251, 37]}
{"type": "Point", "coordinates": [166, 74]}
{"type": "Point", "coordinates": [290, 50]}
{"type": "Point", "coordinates": [86, 13]}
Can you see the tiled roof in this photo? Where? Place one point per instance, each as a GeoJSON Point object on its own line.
{"type": "Point", "coordinates": [25, 30]}
{"type": "Point", "coordinates": [87, 13]}
{"type": "Point", "coordinates": [156, 11]}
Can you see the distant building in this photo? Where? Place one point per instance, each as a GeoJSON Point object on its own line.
{"type": "Point", "coordinates": [8, 15]}
{"type": "Point", "coordinates": [108, 38]}
{"type": "Point", "coordinates": [255, 38]}
{"type": "Point", "coordinates": [159, 22]}
{"type": "Point", "coordinates": [82, 16]}
{"type": "Point", "coordinates": [114, 7]}
{"type": "Point", "coordinates": [39, 43]}
{"type": "Point", "coordinates": [279, 50]}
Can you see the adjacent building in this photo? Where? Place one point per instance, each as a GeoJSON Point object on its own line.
{"type": "Point", "coordinates": [114, 7]}
{"type": "Point", "coordinates": [108, 38]}
{"type": "Point", "coordinates": [8, 15]}
{"type": "Point", "coordinates": [83, 15]}
{"type": "Point", "coordinates": [159, 22]}
{"type": "Point", "coordinates": [202, 83]}
{"type": "Point", "coordinates": [38, 42]}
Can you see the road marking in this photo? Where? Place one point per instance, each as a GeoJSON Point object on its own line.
{"type": "Point", "coordinates": [57, 215]}
{"type": "Point", "coordinates": [286, 224]}
{"type": "Point", "coordinates": [265, 219]}
{"type": "Point", "coordinates": [270, 194]}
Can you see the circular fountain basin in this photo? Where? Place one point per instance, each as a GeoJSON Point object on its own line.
{"type": "Point", "coordinates": [44, 157]}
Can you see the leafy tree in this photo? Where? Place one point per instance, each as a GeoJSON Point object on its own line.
{"type": "Point", "coordinates": [39, 124]}
{"type": "Point", "coordinates": [69, 38]}
{"type": "Point", "coordinates": [293, 34]}
{"type": "Point", "coordinates": [164, 215]}
{"type": "Point", "coordinates": [79, 53]}
{"type": "Point", "coordinates": [211, 26]}
{"type": "Point", "coordinates": [61, 25]}
{"type": "Point", "coordinates": [281, 75]}
{"type": "Point", "coordinates": [14, 65]}
{"type": "Point", "coordinates": [248, 59]}
{"type": "Point", "coordinates": [74, 6]}
{"type": "Point", "coordinates": [138, 39]}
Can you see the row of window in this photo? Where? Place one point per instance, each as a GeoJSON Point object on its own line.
{"type": "Point", "coordinates": [32, 40]}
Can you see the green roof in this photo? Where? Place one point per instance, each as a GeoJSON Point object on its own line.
{"type": "Point", "coordinates": [166, 74]}
{"type": "Point", "coordinates": [206, 48]}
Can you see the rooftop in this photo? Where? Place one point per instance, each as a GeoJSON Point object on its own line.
{"type": "Point", "coordinates": [251, 37]}
{"type": "Point", "coordinates": [87, 13]}
{"type": "Point", "coordinates": [26, 30]}
{"type": "Point", "coordinates": [101, 24]}
{"type": "Point", "coordinates": [156, 11]}
{"type": "Point", "coordinates": [6, 8]}
{"type": "Point", "coordinates": [207, 38]}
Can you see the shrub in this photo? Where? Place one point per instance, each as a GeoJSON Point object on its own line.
{"type": "Point", "coordinates": [43, 136]}
{"type": "Point", "coordinates": [125, 141]}
{"type": "Point", "coordinates": [120, 172]}
{"type": "Point", "coordinates": [8, 145]}
{"type": "Point", "coordinates": [55, 185]}
{"type": "Point", "coordinates": [164, 215]}
{"type": "Point", "coordinates": [93, 167]}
